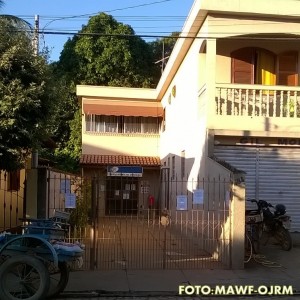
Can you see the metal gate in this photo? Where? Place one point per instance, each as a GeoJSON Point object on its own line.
{"type": "Point", "coordinates": [156, 237]}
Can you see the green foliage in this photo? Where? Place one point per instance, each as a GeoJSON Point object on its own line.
{"type": "Point", "coordinates": [25, 102]}
{"type": "Point", "coordinates": [16, 22]}
{"type": "Point", "coordinates": [108, 54]}
{"type": "Point", "coordinates": [80, 215]}
{"type": "Point", "coordinates": [68, 156]}
{"type": "Point", "coordinates": [105, 53]}
{"type": "Point", "coordinates": [162, 49]}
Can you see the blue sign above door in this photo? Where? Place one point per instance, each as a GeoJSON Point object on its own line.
{"type": "Point", "coordinates": [125, 171]}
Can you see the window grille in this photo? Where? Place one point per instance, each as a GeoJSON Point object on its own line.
{"type": "Point", "coordinates": [122, 124]}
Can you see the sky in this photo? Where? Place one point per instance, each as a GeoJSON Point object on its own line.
{"type": "Point", "coordinates": [146, 17]}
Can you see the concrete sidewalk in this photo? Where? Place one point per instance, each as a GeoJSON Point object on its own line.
{"type": "Point", "coordinates": [273, 267]}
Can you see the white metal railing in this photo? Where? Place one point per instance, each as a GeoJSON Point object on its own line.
{"type": "Point", "coordinates": [257, 100]}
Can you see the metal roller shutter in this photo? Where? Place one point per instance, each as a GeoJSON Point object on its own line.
{"type": "Point", "coordinates": [279, 179]}
{"type": "Point", "coordinates": [243, 159]}
{"type": "Point", "coordinates": [272, 174]}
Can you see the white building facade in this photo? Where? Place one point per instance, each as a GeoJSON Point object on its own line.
{"type": "Point", "coordinates": [230, 92]}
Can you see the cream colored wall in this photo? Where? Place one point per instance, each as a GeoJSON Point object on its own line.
{"type": "Point", "coordinates": [234, 26]}
{"type": "Point", "coordinates": [250, 126]}
{"type": "Point", "coordinates": [227, 26]}
{"type": "Point", "coordinates": [256, 7]}
{"type": "Point", "coordinates": [126, 144]}
{"type": "Point", "coordinates": [215, 168]}
{"type": "Point", "coordinates": [185, 130]}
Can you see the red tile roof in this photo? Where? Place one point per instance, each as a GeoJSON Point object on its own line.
{"type": "Point", "coordinates": [125, 160]}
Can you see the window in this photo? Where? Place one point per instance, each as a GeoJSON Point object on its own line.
{"type": "Point", "coordinates": [260, 66]}
{"type": "Point", "coordinates": [150, 125]}
{"type": "Point", "coordinates": [132, 125]}
{"type": "Point", "coordinates": [288, 69]}
{"type": "Point", "coordinates": [98, 123]}
{"type": "Point", "coordinates": [253, 66]}
{"type": "Point", "coordinates": [13, 181]}
{"type": "Point", "coordinates": [242, 66]}
{"type": "Point", "coordinates": [122, 124]}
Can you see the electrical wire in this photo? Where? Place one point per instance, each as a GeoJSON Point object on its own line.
{"type": "Point", "coordinates": [241, 37]}
{"type": "Point", "coordinates": [259, 258]}
{"type": "Point", "coordinates": [108, 11]}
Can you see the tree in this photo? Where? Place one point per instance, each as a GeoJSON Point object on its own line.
{"type": "Point", "coordinates": [25, 98]}
{"type": "Point", "coordinates": [67, 156]}
{"type": "Point", "coordinates": [105, 52]}
{"type": "Point", "coordinates": [15, 21]}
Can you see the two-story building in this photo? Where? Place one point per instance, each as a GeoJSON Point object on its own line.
{"type": "Point", "coordinates": [230, 91]}
{"type": "Point", "coordinates": [120, 144]}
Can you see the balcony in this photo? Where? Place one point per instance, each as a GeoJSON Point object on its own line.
{"type": "Point", "coordinates": [256, 108]}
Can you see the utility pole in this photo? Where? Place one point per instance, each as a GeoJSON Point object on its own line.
{"type": "Point", "coordinates": [35, 42]}
{"type": "Point", "coordinates": [36, 35]}
{"type": "Point", "coordinates": [163, 58]}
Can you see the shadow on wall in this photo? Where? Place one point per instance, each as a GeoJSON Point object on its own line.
{"type": "Point", "coordinates": [204, 206]}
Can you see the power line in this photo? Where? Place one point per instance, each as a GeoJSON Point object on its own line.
{"type": "Point", "coordinates": [181, 36]}
{"type": "Point", "coordinates": [109, 11]}
{"type": "Point", "coordinates": [120, 17]}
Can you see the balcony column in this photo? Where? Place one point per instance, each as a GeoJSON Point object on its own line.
{"type": "Point", "coordinates": [211, 54]}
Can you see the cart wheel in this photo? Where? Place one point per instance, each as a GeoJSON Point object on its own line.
{"type": "Point", "coordinates": [23, 277]}
{"type": "Point", "coordinates": [59, 278]}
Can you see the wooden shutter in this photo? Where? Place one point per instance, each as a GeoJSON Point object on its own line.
{"type": "Point", "coordinates": [288, 69]}
{"type": "Point", "coordinates": [242, 66]}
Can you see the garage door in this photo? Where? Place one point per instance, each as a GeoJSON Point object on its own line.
{"type": "Point", "coordinates": [272, 174]}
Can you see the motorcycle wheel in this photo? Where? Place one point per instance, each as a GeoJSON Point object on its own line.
{"type": "Point", "coordinates": [256, 239]}
{"type": "Point", "coordinates": [284, 238]}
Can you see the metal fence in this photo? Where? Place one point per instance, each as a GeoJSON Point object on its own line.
{"type": "Point", "coordinates": [188, 225]}
{"type": "Point", "coordinates": [163, 237]}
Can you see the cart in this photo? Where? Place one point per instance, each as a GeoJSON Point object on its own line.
{"type": "Point", "coordinates": [35, 264]}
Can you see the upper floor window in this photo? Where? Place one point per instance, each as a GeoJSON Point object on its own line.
{"type": "Point", "coordinates": [122, 124]}
{"type": "Point", "coordinates": [287, 73]}
{"type": "Point", "coordinates": [260, 66]}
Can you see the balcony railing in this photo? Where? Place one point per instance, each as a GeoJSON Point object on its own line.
{"type": "Point", "coordinates": [257, 101]}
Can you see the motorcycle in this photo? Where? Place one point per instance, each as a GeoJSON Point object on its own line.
{"type": "Point", "coordinates": [275, 223]}
{"type": "Point", "coordinates": [253, 230]}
